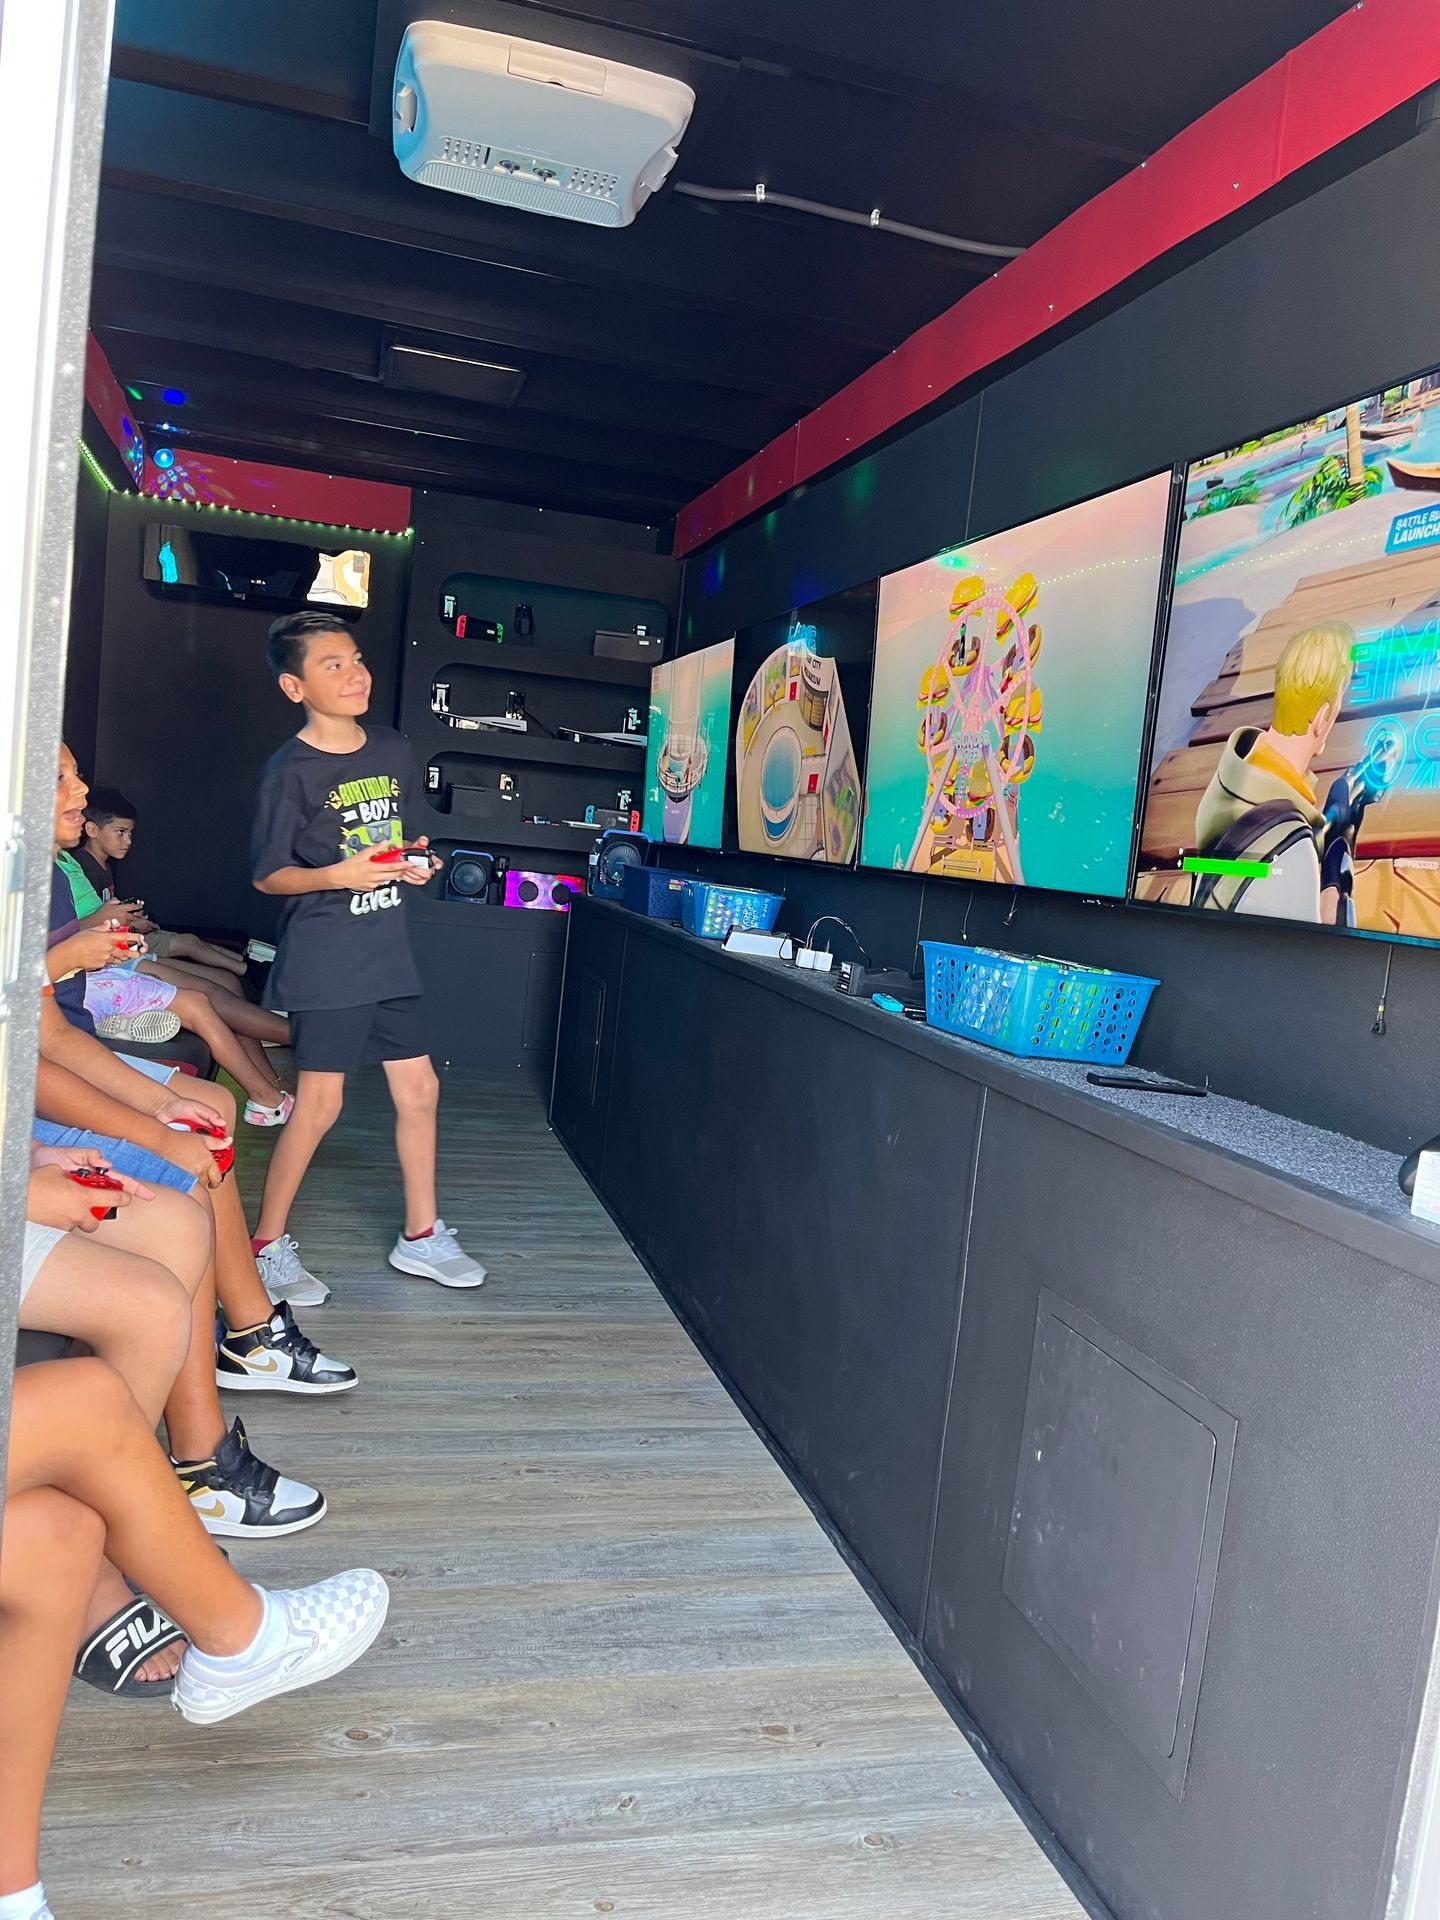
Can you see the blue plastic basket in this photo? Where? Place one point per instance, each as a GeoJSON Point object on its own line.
{"type": "Point", "coordinates": [655, 891]}
{"type": "Point", "coordinates": [1034, 1008]}
{"type": "Point", "coordinates": [711, 911]}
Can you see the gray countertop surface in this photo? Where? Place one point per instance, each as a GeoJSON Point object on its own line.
{"type": "Point", "coordinates": [1356, 1178]}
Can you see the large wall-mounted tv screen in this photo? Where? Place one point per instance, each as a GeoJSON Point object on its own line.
{"type": "Point", "coordinates": [687, 750]}
{"type": "Point", "coordinates": [279, 573]}
{"type": "Point", "coordinates": [1011, 680]}
{"type": "Point", "coordinates": [802, 686]}
{"type": "Point", "coordinates": [1296, 765]}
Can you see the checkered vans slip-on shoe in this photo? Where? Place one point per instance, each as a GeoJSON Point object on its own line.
{"type": "Point", "coordinates": [308, 1634]}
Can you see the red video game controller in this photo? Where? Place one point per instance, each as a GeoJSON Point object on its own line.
{"type": "Point", "coordinates": [98, 1178]}
{"type": "Point", "coordinates": [224, 1157]}
{"type": "Point", "coordinates": [392, 856]}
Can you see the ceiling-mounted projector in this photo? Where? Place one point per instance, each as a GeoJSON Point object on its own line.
{"type": "Point", "coordinates": [532, 126]}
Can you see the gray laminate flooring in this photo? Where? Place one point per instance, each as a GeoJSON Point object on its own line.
{"type": "Point", "coordinates": [624, 1671]}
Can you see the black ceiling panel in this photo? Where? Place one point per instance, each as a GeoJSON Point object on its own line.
{"type": "Point", "coordinates": [260, 249]}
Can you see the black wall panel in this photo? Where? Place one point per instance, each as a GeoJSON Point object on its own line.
{"type": "Point", "coordinates": [1238, 342]}
{"type": "Point", "coordinates": [907, 500]}
{"type": "Point", "coordinates": [1304, 1719]}
{"type": "Point", "coordinates": [585, 1044]}
{"type": "Point", "coordinates": [672, 1143]}
{"type": "Point", "coordinates": [742, 1132]}
{"type": "Point", "coordinates": [87, 616]}
{"type": "Point", "coordinates": [188, 715]}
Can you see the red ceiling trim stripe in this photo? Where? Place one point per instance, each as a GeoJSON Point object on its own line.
{"type": "Point", "coordinates": [1375, 57]}
{"type": "Point", "coordinates": [292, 493]}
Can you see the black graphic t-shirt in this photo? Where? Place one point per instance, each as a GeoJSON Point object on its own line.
{"type": "Point", "coordinates": [337, 949]}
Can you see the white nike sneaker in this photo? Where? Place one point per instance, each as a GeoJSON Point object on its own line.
{"type": "Point", "coordinates": [437, 1256]}
{"type": "Point", "coordinates": [285, 1279]}
{"type": "Point", "coordinates": [307, 1634]}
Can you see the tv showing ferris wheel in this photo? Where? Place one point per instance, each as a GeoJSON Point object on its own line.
{"type": "Point", "coordinates": [1008, 711]}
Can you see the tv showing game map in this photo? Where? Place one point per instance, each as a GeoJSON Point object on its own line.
{"type": "Point", "coordinates": [1296, 765]}
{"type": "Point", "coordinates": [1008, 714]}
{"type": "Point", "coordinates": [687, 747]}
{"type": "Point", "coordinates": [802, 685]}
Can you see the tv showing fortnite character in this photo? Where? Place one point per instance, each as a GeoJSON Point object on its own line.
{"type": "Point", "coordinates": [1008, 716]}
{"type": "Point", "coordinates": [688, 746]}
{"type": "Point", "coordinates": [802, 683]}
{"type": "Point", "coordinates": [1296, 765]}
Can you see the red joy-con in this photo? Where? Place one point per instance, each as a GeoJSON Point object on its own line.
{"type": "Point", "coordinates": [224, 1157]}
{"type": "Point", "coordinates": [98, 1178]}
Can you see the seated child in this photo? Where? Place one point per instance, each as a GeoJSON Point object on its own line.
{"type": "Point", "coordinates": [85, 1477]}
{"type": "Point", "coordinates": [109, 836]}
{"type": "Point", "coordinates": [121, 1003]}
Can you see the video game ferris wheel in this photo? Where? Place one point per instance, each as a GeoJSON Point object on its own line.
{"type": "Point", "coordinates": [981, 709]}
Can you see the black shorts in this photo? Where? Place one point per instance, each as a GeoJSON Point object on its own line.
{"type": "Point", "coordinates": [336, 1039]}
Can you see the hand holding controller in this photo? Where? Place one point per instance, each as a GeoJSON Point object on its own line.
{"type": "Point", "coordinates": [224, 1154]}
{"type": "Point", "coordinates": [415, 855]}
{"type": "Point", "coordinates": [99, 1179]}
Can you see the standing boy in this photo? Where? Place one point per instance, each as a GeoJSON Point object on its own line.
{"type": "Point", "coordinates": [332, 800]}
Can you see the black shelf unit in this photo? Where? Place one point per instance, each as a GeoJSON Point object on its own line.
{"type": "Point", "coordinates": [461, 827]}
{"type": "Point", "coordinates": [537, 748]}
{"type": "Point", "coordinates": [507, 656]}
{"type": "Point", "coordinates": [581, 576]}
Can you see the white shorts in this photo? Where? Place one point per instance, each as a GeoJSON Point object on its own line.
{"type": "Point", "coordinates": [40, 1243]}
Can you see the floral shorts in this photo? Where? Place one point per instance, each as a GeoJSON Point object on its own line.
{"type": "Point", "coordinates": [114, 990]}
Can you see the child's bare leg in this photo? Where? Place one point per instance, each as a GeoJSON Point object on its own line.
{"type": "Point", "coordinates": [75, 1427]}
{"type": "Point", "coordinates": [187, 973]}
{"type": "Point", "coordinates": [243, 1299]}
{"type": "Point", "coordinates": [189, 946]}
{"type": "Point", "coordinates": [242, 1060]}
{"type": "Point", "coordinates": [51, 1550]}
{"type": "Point", "coordinates": [133, 1291]}
{"type": "Point", "coordinates": [242, 1016]}
{"type": "Point", "coordinates": [318, 1099]}
{"type": "Point", "coordinates": [415, 1090]}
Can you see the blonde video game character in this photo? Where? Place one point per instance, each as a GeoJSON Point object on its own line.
{"type": "Point", "coordinates": [1261, 803]}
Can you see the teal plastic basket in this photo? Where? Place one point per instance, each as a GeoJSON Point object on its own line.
{"type": "Point", "coordinates": [711, 911]}
{"type": "Point", "coordinates": [1033, 1008]}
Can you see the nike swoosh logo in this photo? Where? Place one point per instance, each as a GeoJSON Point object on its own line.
{"type": "Point", "coordinates": [269, 1364]}
{"type": "Point", "coordinates": [213, 1510]}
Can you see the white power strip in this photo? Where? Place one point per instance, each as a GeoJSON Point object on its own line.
{"type": "Point", "coordinates": [761, 946]}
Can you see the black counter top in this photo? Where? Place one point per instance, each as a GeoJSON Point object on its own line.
{"type": "Point", "coordinates": [1336, 1186]}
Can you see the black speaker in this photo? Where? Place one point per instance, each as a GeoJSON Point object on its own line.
{"type": "Point", "coordinates": [469, 875]}
{"type": "Point", "coordinates": [614, 853]}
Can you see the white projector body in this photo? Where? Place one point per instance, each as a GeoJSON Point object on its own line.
{"type": "Point", "coordinates": [532, 126]}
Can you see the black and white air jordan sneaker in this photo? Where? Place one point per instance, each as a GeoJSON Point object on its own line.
{"type": "Point", "coordinates": [276, 1357]}
{"type": "Point", "coordinates": [238, 1497]}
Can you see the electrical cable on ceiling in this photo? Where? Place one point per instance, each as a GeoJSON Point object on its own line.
{"type": "Point", "coordinates": [761, 196]}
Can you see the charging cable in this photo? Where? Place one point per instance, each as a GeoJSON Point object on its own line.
{"type": "Point", "coordinates": [835, 920]}
{"type": "Point", "coordinates": [1379, 1026]}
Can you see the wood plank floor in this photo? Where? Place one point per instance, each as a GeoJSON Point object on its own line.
{"type": "Point", "coordinates": [624, 1671]}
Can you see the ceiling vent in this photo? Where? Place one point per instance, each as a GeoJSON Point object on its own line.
{"type": "Point", "coordinates": [531, 126]}
{"type": "Point", "coordinates": [424, 370]}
